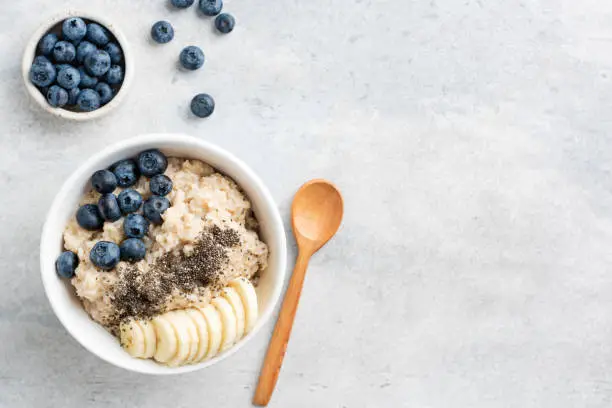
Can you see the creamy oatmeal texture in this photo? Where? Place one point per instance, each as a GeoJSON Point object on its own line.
{"type": "Point", "coordinates": [202, 200]}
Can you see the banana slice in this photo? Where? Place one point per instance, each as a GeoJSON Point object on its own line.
{"type": "Point", "coordinates": [247, 293]}
{"type": "Point", "coordinates": [215, 330]}
{"type": "Point", "coordinates": [233, 298]}
{"type": "Point", "coordinates": [193, 335]}
{"type": "Point", "coordinates": [167, 345]}
{"type": "Point", "coordinates": [202, 328]}
{"type": "Point", "coordinates": [228, 322]}
{"type": "Point", "coordinates": [132, 338]}
{"type": "Point", "coordinates": [150, 339]}
{"type": "Point", "coordinates": [183, 337]}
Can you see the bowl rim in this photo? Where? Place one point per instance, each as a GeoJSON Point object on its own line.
{"type": "Point", "coordinates": [277, 227]}
{"type": "Point", "coordinates": [30, 53]}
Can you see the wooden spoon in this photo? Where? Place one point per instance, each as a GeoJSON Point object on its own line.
{"type": "Point", "coordinates": [316, 215]}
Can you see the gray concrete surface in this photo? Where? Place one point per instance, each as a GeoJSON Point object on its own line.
{"type": "Point", "coordinates": [472, 140]}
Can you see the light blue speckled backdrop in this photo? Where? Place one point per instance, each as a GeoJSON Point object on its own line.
{"type": "Point", "coordinates": [473, 143]}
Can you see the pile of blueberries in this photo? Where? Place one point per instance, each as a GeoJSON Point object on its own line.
{"type": "Point", "coordinates": [80, 68]}
{"type": "Point", "coordinates": [124, 174]}
{"type": "Point", "coordinates": [192, 57]}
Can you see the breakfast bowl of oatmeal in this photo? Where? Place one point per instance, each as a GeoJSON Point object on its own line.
{"type": "Point", "coordinates": [163, 254]}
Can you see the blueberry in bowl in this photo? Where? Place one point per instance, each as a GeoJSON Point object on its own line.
{"type": "Point", "coordinates": [77, 66]}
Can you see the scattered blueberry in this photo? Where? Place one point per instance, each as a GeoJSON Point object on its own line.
{"type": "Point", "coordinates": [87, 81]}
{"type": "Point", "coordinates": [160, 185]}
{"type": "Point", "coordinates": [42, 72]}
{"type": "Point", "coordinates": [211, 7]}
{"type": "Point", "coordinates": [63, 51]}
{"type": "Point", "coordinates": [135, 226]}
{"type": "Point", "coordinates": [73, 94]}
{"type": "Point", "coordinates": [192, 58]}
{"type": "Point", "coordinates": [83, 50]}
{"type": "Point", "coordinates": [114, 76]}
{"type": "Point", "coordinates": [88, 100]}
{"type": "Point", "coordinates": [225, 23]}
{"type": "Point", "coordinates": [57, 96]}
{"type": "Point", "coordinates": [105, 91]}
{"type": "Point", "coordinates": [115, 52]}
{"type": "Point", "coordinates": [45, 47]}
{"type": "Point", "coordinates": [74, 29]}
{"type": "Point", "coordinates": [89, 217]}
{"type": "Point", "coordinates": [154, 207]}
{"type": "Point", "coordinates": [182, 3]}
{"type": "Point", "coordinates": [66, 264]}
{"type": "Point", "coordinates": [126, 172]}
{"type": "Point", "coordinates": [152, 162]}
{"type": "Point", "coordinates": [68, 78]}
{"type": "Point", "coordinates": [105, 255]}
{"type": "Point", "coordinates": [97, 63]}
{"type": "Point", "coordinates": [129, 201]}
{"type": "Point", "coordinates": [104, 181]}
{"type": "Point", "coordinates": [132, 250]}
{"type": "Point", "coordinates": [202, 105]}
{"type": "Point", "coordinates": [97, 34]}
{"type": "Point", "coordinates": [162, 32]}
{"type": "Point", "coordinates": [109, 207]}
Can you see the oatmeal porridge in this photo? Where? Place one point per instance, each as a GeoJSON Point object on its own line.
{"type": "Point", "coordinates": [191, 262]}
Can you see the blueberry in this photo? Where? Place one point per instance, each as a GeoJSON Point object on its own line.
{"type": "Point", "coordinates": [135, 226]}
{"type": "Point", "coordinates": [59, 67]}
{"type": "Point", "coordinates": [129, 201]}
{"type": "Point", "coordinates": [225, 23]}
{"type": "Point", "coordinates": [98, 63]}
{"type": "Point", "coordinates": [88, 100]}
{"type": "Point", "coordinates": [66, 264]}
{"type": "Point", "coordinates": [57, 96]}
{"type": "Point", "coordinates": [109, 207]}
{"type": "Point", "coordinates": [68, 78]}
{"type": "Point", "coordinates": [154, 207]}
{"type": "Point", "coordinates": [114, 76]}
{"type": "Point", "coordinates": [89, 217]}
{"type": "Point", "coordinates": [211, 7]}
{"type": "Point", "coordinates": [152, 162]}
{"type": "Point", "coordinates": [41, 60]}
{"type": "Point", "coordinates": [87, 81]}
{"type": "Point", "coordinates": [104, 181]}
{"type": "Point", "coordinates": [63, 51]}
{"type": "Point", "coordinates": [192, 58]}
{"type": "Point", "coordinates": [105, 91]}
{"type": "Point", "coordinates": [46, 44]}
{"type": "Point", "coordinates": [162, 32]}
{"type": "Point", "coordinates": [73, 94]}
{"type": "Point", "coordinates": [182, 3]}
{"type": "Point", "coordinates": [83, 50]}
{"type": "Point", "coordinates": [160, 185]}
{"type": "Point", "coordinates": [74, 29]}
{"type": "Point", "coordinates": [97, 34]}
{"type": "Point", "coordinates": [42, 73]}
{"type": "Point", "coordinates": [126, 172]}
{"type": "Point", "coordinates": [115, 52]}
{"type": "Point", "coordinates": [202, 105]}
{"type": "Point", "coordinates": [105, 255]}
{"type": "Point", "coordinates": [132, 250]}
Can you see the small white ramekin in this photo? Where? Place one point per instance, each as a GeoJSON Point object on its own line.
{"type": "Point", "coordinates": [60, 292]}
{"type": "Point", "coordinates": [30, 53]}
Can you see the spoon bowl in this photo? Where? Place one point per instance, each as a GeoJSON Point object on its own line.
{"type": "Point", "coordinates": [316, 214]}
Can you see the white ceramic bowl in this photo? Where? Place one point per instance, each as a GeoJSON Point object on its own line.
{"type": "Point", "coordinates": [30, 54]}
{"type": "Point", "coordinates": [60, 292]}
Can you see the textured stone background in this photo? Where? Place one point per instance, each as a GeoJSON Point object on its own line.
{"type": "Point", "coordinates": [472, 142]}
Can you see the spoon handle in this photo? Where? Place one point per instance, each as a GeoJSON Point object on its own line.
{"type": "Point", "coordinates": [282, 331]}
